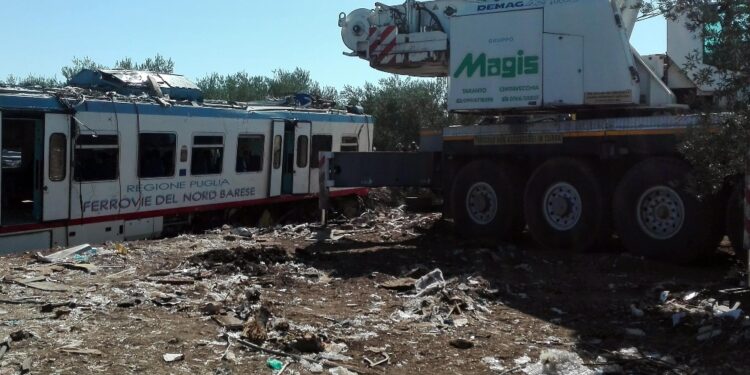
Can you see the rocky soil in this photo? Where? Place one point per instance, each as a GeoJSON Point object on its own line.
{"type": "Point", "coordinates": [389, 292]}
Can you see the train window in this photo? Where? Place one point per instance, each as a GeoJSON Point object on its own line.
{"type": "Point", "coordinates": [302, 151]}
{"type": "Point", "coordinates": [250, 153]}
{"type": "Point", "coordinates": [58, 152]}
{"type": "Point", "coordinates": [319, 143]}
{"type": "Point", "coordinates": [349, 144]}
{"type": "Point", "coordinates": [97, 158]}
{"type": "Point", "coordinates": [277, 152]}
{"type": "Point", "coordinates": [208, 155]}
{"type": "Point", "coordinates": [156, 154]}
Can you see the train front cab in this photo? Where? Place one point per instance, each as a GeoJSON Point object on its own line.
{"type": "Point", "coordinates": [34, 180]}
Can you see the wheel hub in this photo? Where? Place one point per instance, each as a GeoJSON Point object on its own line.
{"type": "Point", "coordinates": [661, 212]}
{"type": "Point", "coordinates": [562, 206]}
{"type": "Point", "coordinates": [481, 203]}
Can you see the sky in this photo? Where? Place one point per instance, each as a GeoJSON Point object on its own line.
{"type": "Point", "coordinates": [202, 37]}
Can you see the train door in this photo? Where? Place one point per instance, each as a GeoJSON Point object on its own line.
{"type": "Point", "coordinates": [278, 129]}
{"type": "Point", "coordinates": [56, 179]}
{"type": "Point", "coordinates": [287, 173]}
{"type": "Point", "coordinates": [22, 141]}
{"type": "Point", "coordinates": [302, 133]}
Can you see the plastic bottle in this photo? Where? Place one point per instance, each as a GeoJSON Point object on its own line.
{"type": "Point", "coordinates": [275, 364]}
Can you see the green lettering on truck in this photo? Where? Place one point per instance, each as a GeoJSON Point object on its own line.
{"type": "Point", "coordinates": [505, 67]}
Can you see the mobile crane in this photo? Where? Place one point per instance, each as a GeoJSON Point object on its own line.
{"type": "Point", "coordinates": [579, 142]}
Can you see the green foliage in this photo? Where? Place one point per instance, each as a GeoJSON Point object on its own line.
{"type": "Point", "coordinates": [286, 82]}
{"type": "Point", "coordinates": [244, 87]}
{"type": "Point", "coordinates": [31, 81]}
{"type": "Point", "coordinates": [401, 107]}
{"type": "Point", "coordinates": [79, 64]}
{"type": "Point", "coordinates": [157, 64]}
{"type": "Point", "coordinates": [238, 87]}
{"type": "Point", "coordinates": [717, 151]}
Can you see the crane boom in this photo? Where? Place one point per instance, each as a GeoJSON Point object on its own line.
{"type": "Point", "coordinates": [512, 55]}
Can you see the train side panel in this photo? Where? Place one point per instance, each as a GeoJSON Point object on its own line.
{"type": "Point", "coordinates": [134, 169]}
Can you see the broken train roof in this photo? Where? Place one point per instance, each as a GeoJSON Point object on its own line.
{"type": "Point", "coordinates": [133, 82]}
{"type": "Point", "coordinates": [159, 94]}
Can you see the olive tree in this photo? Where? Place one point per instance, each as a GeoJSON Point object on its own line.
{"type": "Point", "coordinates": [717, 149]}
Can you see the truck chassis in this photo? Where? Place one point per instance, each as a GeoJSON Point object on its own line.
{"type": "Point", "coordinates": [574, 185]}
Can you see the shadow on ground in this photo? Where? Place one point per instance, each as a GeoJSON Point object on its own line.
{"type": "Point", "coordinates": [592, 294]}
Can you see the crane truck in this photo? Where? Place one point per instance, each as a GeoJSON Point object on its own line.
{"type": "Point", "coordinates": [579, 139]}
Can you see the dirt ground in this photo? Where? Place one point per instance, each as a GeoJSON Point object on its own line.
{"type": "Point", "coordinates": [343, 299]}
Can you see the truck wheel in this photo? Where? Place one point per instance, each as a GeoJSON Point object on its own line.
{"type": "Point", "coordinates": [735, 220]}
{"type": "Point", "coordinates": [565, 207]}
{"type": "Point", "coordinates": [656, 216]}
{"type": "Point", "coordinates": [485, 200]}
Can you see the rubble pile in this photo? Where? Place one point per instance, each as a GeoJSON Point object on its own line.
{"type": "Point", "coordinates": [365, 295]}
{"type": "Point", "coordinates": [707, 317]}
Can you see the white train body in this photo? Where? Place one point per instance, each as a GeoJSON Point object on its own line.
{"type": "Point", "coordinates": [113, 170]}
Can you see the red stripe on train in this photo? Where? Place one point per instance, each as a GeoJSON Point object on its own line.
{"type": "Point", "coordinates": [175, 211]}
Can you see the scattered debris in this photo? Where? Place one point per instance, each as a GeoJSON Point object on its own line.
{"type": "Point", "coordinates": [430, 283]}
{"type": "Point", "coordinates": [522, 360]}
{"type": "Point", "coordinates": [677, 318]}
{"type": "Point", "coordinates": [40, 283]}
{"type": "Point", "coordinates": [636, 332]}
{"type": "Point", "coordinates": [5, 346]}
{"type": "Point", "coordinates": [229, 322]}
{"type": "Point", "coordinates": [460, 322]}
{"type": "Point", "coordinates": [708, 332]}
{"type": "Point", "coordinates": [308, 343]}
{"type": "Point", "coordinates": [461, 344]}
{"type": "Point", "coordinates": [557, 311]}
{"type": "Point", "coordinates": [494, 364]}
{"type": "Point", "coordinates": [255, 327]}
{"type": "Point", "coordinates": [275, 364]}
{"type": "Point", "coordinates": [71, 350]}
{"type": "Point", "coordinates": [312, 367]}
{"type": "Point", "coordinates": [68, 255]}
{"type": "Point", "coordinates": [555, 361]}
{"type": "Point", "coordinates": [402, 284]}
{"type": "Point", "coordinates": [664, 296]}
{"type": "Point", "coordinates": [385, 359]}
{"type": "Point", "coordinates": [341, 371]}
{"type": "Point", "coordinates": [365, 296]}
{"type": "Point", "coordinates": [638, 313]}
{"type": "Point", "coordinates": [169, 357]}
{"type": "Point", "coordinates": [690, 296]}
{"type": "Point", "coordinates": [26, 366]}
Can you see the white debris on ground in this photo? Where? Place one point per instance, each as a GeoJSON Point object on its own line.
{"type": "Point", "coordinates": [558, 362]}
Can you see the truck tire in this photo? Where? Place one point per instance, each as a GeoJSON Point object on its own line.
{"type": "Point", "coordinates": [565, 207]}
{"type": "Point", "coordinates": [486, 201]}
{"type": "Point", "coordinates": [657, 217]}
{"type": "Point", "coordinates": [735, 220]}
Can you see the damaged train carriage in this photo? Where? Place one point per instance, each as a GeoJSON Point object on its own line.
{"type": "Point", "coordinates": [126, 155]}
